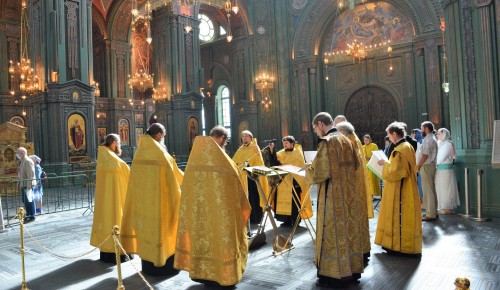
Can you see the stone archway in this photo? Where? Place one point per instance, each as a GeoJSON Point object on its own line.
{"type": "Point", "coordinates": [370, 110]}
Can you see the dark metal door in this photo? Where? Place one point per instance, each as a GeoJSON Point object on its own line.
{"type": "Point", "coordinates": [371, 110]}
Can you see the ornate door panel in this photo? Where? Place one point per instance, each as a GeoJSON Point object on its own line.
{"type": "Point", "coordinates": [370, 110]}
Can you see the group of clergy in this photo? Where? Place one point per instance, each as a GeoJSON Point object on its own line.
{"type": "Point", "coordinates": [204, 230]}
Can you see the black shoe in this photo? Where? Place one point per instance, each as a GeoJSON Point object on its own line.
{"type": "Point", "coordinates": [212, 283]}
{"type": "Point", "coordinates": [399, 254]}
{"type": "Point", "coordinates": [286, 224]}
{"type": "Point", "coordinates": [355, 278]}
{"type": "Point", "coordinates": [331, 283]}
{"type": "Point", "coordinates": [29, 219]}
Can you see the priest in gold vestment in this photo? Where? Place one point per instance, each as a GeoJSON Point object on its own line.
{"type": "Point", "coordinates": [112, 175]}
{"type": "Point", "coordinates": [249, 154]}
{"type": "Point", "coordinates": [347, 129]}
{"type": "Point", "coordinates": [339, 241]}
{"type": "Point", "coordinates": [212, 247]}
{"type": "Point", "coordinates": [150, 219]}
{"type": "Point", "coordinates": [399, 228]}
{"type": "Point", "coordinates": [287, 203]}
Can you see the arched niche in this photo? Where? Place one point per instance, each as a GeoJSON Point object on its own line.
{"type": "Point", "coordinates": [313, 22]}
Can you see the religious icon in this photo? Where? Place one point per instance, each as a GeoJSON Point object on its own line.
{"type": "Point", "coordinates": [77, 141]}
{"type": "Point", "coordinates": [101, 135]}
{"type": "Point", "coordinates": [193, 130]}
{"type": "Point", "coordinates": [8, 154]}
{"type": "Point", "coordinates": [242, 127]}
{"type": "Point", "coordinates": [123, 129]}
{"type": "Point", "coordinates": [138, 133]}
{"type": "Point", "coordinates": [76, 96]}
{"type": "Point", "coordinates": [18, 120]}
{"type": "Point", "coordinates": [76, 126]}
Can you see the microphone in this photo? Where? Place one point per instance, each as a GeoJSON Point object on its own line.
{"type": "Point", "coordinates": [270, 141]}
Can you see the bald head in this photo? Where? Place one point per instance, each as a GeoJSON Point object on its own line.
{"type": "Point", "coordinates": [339, 119]}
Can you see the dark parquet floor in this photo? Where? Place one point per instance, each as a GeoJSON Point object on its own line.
{"type": "Point", "coordinates": [452, 247]}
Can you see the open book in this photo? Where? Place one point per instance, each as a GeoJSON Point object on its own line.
{"type": "Point", "coordinates": [373, 163]}
{"type": "Point", "coordinates": [309, 156]}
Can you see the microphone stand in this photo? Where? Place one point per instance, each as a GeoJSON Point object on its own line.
{"type": "Point", "coordinates": [245, 163]}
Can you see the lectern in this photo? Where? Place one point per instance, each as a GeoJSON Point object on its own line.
{"type": "Point", "coordinates": [274, 178]}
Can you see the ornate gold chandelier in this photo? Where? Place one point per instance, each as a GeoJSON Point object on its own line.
{"type": "Point", "coordinates": [160, 94]}
{"type": "Point", "coordinates": [357, 51]}
{"type": "Point", "coordinates": [264, 83]}
{"type": "Point", "coordinates": [22, 75]}
{"type": "Point", "coordinates": [141, 81]}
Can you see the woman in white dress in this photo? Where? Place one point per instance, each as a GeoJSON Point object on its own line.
{"type": "Point", "coordinates": [446, 182]}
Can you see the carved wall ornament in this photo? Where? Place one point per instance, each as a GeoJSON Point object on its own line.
{"type": "Point", "coordinates": [481, 3]}
{"type": "Point", "coordinates": [299, 4]}
{"type": "Point", "coordinates": [72, 39]}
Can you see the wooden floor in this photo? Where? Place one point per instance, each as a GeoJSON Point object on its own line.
{"type": "Point", "coordinates": [453, 247]}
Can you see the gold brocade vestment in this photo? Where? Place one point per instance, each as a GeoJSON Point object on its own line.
{"type": "Point", "coordinates": [149, 225]}
{"type": "Point", "coordinates": [361, 193]}
{"type": "Point", "coordinates": [399, 225]}
{"type": "Point", "coordinates": [371, 179]}
{"type": "Point", "coordinates": [253, 156]}
{"type": "Point", "coordinates": [211, 240]}
{"type": "Point", "coordinates": [284, 196]}
{"type": "Point", "coordinates": [339, 243]}
{"type": "Point", "coordinates": [112, 176]}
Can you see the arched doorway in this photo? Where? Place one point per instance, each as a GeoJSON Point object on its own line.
{"type": "Point", "coordinates": [370, 110]}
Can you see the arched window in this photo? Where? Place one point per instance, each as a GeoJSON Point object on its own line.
{"type": "Point", "coordinates": [207, 31]}
{"type": "Point", "coordinates": [224, 108]}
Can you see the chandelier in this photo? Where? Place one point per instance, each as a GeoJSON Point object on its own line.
{"type": "Point", "coordinates": [446, 85]}
{"type": "Point", "coordinates": [357, 51]}
{"type": "Point", "coordinates": [228, 7]}
{"type": "Point", "coordinates": [140, 81]}
{"type": "Point", "coordinates": [22, 75]}
{"type": "Point", "coordinates": [264, 83]}
{"type": "Point", "coordinates": [160, 93]}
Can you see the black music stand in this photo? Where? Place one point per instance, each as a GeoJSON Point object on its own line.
{"type": "Point", "coordinates": [274, 178]}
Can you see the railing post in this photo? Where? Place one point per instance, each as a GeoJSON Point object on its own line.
{"type": "Point", "coordinates": [479, 217]}
{"type": "Point", "coordinates": [466, 181]}
{"type": "Point", "coordinates": [20, 214]}
{"type": "Point", "coordinates": [116, 238]}
{"type": "Point", "coordinates": [2, 226]}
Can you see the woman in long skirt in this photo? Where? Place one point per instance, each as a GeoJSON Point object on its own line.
{"type": "Point", "coordinates": [446, 182]}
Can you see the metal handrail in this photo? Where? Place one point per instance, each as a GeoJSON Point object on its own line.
{"type": "Point", "coordinates": [60, 193]}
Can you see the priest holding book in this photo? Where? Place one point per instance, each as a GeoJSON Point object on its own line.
{"type": "Point", "coordinates": [399, 228]}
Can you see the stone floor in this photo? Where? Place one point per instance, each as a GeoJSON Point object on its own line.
{"type": "Point", "coordinates": [453, 246]}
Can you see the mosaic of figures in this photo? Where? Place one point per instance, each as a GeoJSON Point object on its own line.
{"type": "Point", "coordinates": [370, 24]}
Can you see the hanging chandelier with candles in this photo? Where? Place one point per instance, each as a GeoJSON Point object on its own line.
{"type": "Point", "coordinates": [22, 75]}
{"type": "Point", "coordinates": [264, 83]}
{"type": "Point", "coordinates": [141, 81]}
{"type": "Point", "coordinates": [445, 85]}
{"type": "Point", "coordinates": [160, 93]}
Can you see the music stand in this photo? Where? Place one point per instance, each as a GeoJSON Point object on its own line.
{"type": "Point", "coordinates": [274, 178]}
{"type": "Point", "coordinates": [378, 199]}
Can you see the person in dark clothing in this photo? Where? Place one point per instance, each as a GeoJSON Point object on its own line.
{"type": "Point", "coordinates": [269, 154]}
